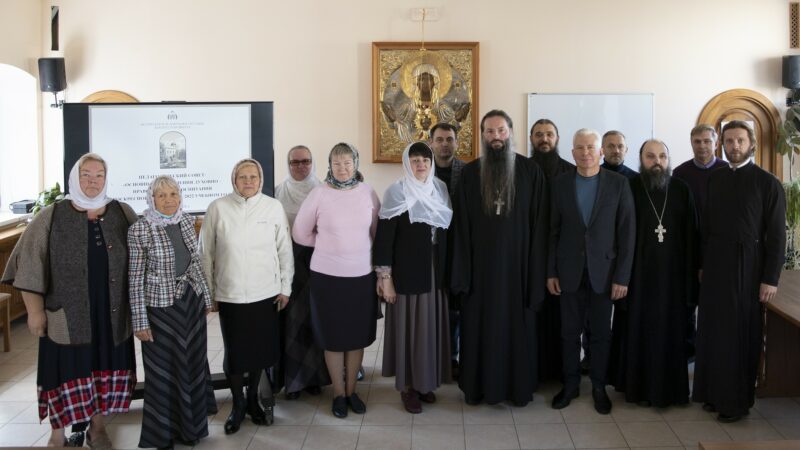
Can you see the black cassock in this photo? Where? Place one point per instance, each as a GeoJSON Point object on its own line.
{"type": "Point", "coordinates": [663, 284]}
{"type": "Point", "coordinates": [744, 240]}
{"type": "Point", "coordinates": [548, 320]}
{"type": "Point", "coordinates": [499, 264]}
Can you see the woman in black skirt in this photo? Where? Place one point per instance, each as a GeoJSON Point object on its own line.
{"type": "Point", "coordinates": [247, 257]}
{"type": "Point", "coordinates": [338, 219]}
{"type": "Point", "coordinates": [72, 267]}
{"type": "Point", "coordinates": [169, 303]}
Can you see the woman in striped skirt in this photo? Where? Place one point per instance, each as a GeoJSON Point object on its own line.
{"type": "Point", "coordinates": [169, 302]}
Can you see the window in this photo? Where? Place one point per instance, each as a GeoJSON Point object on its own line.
{"type": "Point", "coordinates": [19, 136]}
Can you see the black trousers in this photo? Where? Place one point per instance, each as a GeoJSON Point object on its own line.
{"type": "Point", "coordinates": [578, 308]}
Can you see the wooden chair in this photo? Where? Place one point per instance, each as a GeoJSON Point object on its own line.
{"type": "Point", "coordinates": [5, 319]}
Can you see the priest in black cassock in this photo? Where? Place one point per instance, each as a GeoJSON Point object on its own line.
{"type": "Point", "coordinates": [544, 142]}
{"type": "Point", "coordinates": [499, 253]}
{"type": "Point", "coordinates": [744, 238]}
{"type": "Point", "coordinates": [663, 283]}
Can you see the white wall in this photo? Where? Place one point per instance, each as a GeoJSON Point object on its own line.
{"type": "Point", "coordinates": [313, 57]}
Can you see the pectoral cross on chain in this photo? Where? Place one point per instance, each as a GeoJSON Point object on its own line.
{"type": "Point", "coordinates": [499, 204]}
{"type": "Point", "coordinates": [660, 230]}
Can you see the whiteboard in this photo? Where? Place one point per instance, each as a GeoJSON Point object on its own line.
{"type": "Point", "coordinates": [632, 114]}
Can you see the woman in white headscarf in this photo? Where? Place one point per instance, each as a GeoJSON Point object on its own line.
{"type": "Point", "coordinates": [71, 266]}
{"type": "Point", "coordinates": [247, 258]}
{"type": "Point", "coordinates": [169, 303]}
{"type": "Point", "coordinates": [302, 178]}
{"type": "Point", "coordinates": [410, 258]}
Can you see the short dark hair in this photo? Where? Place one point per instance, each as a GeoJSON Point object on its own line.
{"type": "Point", "coordinates": [733, 124]}
{"type": "Point", "coordinates": [613, 133]}
{"type": "Point", "coordinates": [652, 141]}
{"type": "Point", "coordinates": [420, 149]}
{"type": "Point", "coordinates": [497, 113]}
{"type": "Point", "coordinates": [544, 122]}
{"type": "Point", "coordinates": [444, 126]}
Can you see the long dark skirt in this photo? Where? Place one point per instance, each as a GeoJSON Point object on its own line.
{"type": "Point", "coordinates": [344, 311]}
{"type": "Point", "coordinates": [303, 361]}
{"type": "Point", "coordinates": [250, 336]}
{"type": "Point", "coordinates": [178, 394]}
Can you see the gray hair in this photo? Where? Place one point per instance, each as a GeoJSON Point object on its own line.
{"type": "Point", "coordinates": [164, 181]}
{"type": "Point", "coordinates": [298, 147]}
{"type": "Point", "coordinates": [86, 157]}
{"type": "Point", "coordinates": [587, 132]}
{"type": "Point", "coordinates": [703, 127]}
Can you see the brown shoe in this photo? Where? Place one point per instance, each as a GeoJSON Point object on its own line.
{"type": "Point", "coordinates": [100, 441]}
{"type": "Point", "coordinates": [428, 397]}
{"type": "Point", "coordinates": [411, 402]}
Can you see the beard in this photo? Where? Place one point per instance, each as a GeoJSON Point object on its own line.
{"type": "Point", "coordinates": [547, 161]}
{"type": "Point", "coordinates": [656, 177]}
{"type": "Point", "coordinates": [497, 176]}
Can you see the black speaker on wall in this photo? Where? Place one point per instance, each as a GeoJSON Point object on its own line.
{"type": "Point", "coordinates": [791, 78]}
{"type": "Point", "coordinates": [52, 75]}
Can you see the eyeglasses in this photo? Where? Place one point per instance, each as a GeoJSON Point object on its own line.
{"type": "Point", "coordinates": [300, 162]}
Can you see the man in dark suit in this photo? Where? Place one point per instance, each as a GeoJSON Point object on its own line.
{"type": "Point", "coordinates": [592, 237]}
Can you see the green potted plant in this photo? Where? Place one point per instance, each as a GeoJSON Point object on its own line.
{"type": "Point", "coordinates": [789, 145]}
{"type": "Point", "coordinates": [47, 197]}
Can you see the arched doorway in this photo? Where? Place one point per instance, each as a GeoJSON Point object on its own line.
{"type": "Point", "coordinates": [750, 106]}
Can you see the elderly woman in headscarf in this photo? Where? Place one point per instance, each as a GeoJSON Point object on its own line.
{"type": "Point", "coordinates": [169, 302]}
{"type": "Point", "coordinates": [302, 362]}
{"type": "Point", "coordinates": [410, 256]}
{"type": "Point", "coordinates": [339, 219]}
{"type": "Point", "coordinates": [71, 266]}
{"type": "Point", "coordinates": [247, 256]}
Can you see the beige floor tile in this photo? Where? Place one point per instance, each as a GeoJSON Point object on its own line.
{"type": "Point", "coordinates": [536, 412]}
{"type": "Point", "coordinates": [19, 392]}
{"type": "Point", "coordinates": [331, 437]}
{"type": "Point", "coordinates": [29, 415]}
{"type": "Point", "coordinates": [440, 414]}
{"type": "Point", "coordinates": [7, 357]}
{"type": "Point", "coordinates": [680, 447]}
{"type": "Point", "coordinates": [596, 435]}
{"type": "Point", "coordinates": [294, 412]}
{"type": "Point", "coordinates": [648, 434]}
{"type": "Point", "coordinates": [25, 356]}
{"type": "Point", "coordinates": [544, 436]}
{"type": "Point", "coordinates": [387, 414]}
{"type": "Point", "coordinates": [484, 414]}
{"type": "Point", "coordinates": [9, 410]}
{"type": "Point", "coordinates": [683, 413]}
{"type": "Point", "coordinates": [449, 393]}
{"type": "Point", "coordinates": [214, 343]}
{"type": "Point", "coordinates": [437, 437]}
{"type": "Point", "coordinates": [279, 437]}
{"type": "Point", "coordinates": [491, 437]}
{"type": "Point", "coordinates": [383, 393]}
{"type": "Point", "coordinates": [23, 434]}
{"type": "Point", "coordinates": [384, 437]}
{"type": "Point", "coordinates": [584, 412]}
{"type": "Point", "coordinates": [133, 416]}
{"type": "Point", "coordinates": [751, 430]}
{"type": "Point", "coordinates": [324, 416]}
{"type": "Point", "coordinates": [218, 440]}
{"type": "Point", "coordinates": [16, 372]}
{"type": "Point", "coordinates": [690, 433]}
{"type": "Point", "coordinates": [788, 428]}
{"type": "Point", "coordinates": [631, 412]}
{"type": "Point", "coordinates": [777, 408]}
{"type": "Point", "coordinates": [124, 435]}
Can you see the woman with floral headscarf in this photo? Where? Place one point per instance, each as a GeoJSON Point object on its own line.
{"type": "Point", "coordinates": [338, 219]}
{"type": "Point", "coordinates": [169, 302]}
{"type": "Point", "coordinates": [71, 265]}
{"type": "Point", "coordinates": [247, 256]}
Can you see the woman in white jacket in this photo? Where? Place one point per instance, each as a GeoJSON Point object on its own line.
{"type": "Point", "coordinates": [247, 257]}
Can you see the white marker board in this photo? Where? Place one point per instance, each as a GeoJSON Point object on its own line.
{"type": "Point", "coordinates": [632, 114]}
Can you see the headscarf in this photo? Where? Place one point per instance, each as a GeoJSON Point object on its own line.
{"type": "Point", "coordinates": [155, 216]}
{"type": "Point", "coordinates": [426, 201]}
{"type": "Point", "coordinates": [291, 192]}
{"type": "Point", "coordinates": [355, 179]}
{"type": "Point", "coordinates": [76, 194]}
{"type": "Point", "coordinates": [236, 168]}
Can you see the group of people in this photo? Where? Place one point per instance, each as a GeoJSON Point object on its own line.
{"type": "Point", "coordinates": [494, 272]}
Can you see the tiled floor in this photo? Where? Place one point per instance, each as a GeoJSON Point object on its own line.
{"type": "Point", "coordinates": [450, 423]}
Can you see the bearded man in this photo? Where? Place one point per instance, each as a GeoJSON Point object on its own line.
{"type": "Point", "coordinates": [499, 262]}
{"type": "Point", "coordinates": [663, 284]}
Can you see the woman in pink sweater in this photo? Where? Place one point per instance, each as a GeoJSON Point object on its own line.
{"type": "Point", "coordinates": [339, 220]}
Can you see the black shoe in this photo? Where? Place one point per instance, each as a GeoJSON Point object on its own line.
{"type": "Point", "coordinates": [236, 416]}
{"type": "Point", "coordinates": [293, 395]}
{"type": "Point", "coordinates": [563, 398]}
{"type": "Point", "coordinates": [169, 447]}
{"type": "Point", "coordinates": [189, 443]}
{"type": "Point", "coordinates": [360, 374]}
{"type": "Point", "coordinates": [269, 411]}
{"type": "Point", "coordinates": [454, 369]}
{"type": "Point", "coordinates": [602, 403]}
{"type": "Point", "coordinates": [339, 408]}
{"type": "Point", "coordinates": [585, 364]}
{"type": "Point", "coordinates": [75, 439]}
{"type": "Point", "coordinates": [724, 418]}
{"type": "Point", "coordinates": [708, 407]}
{"type": "Point", "coordinates": [356, 404]}
{"type": "Point", "coordinates": [254, 410]}
{"type": "Point", "coordinates": [313, 390]}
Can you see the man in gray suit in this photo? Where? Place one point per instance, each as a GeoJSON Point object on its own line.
{"type": "Point", "coordinates": [592, 237]}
